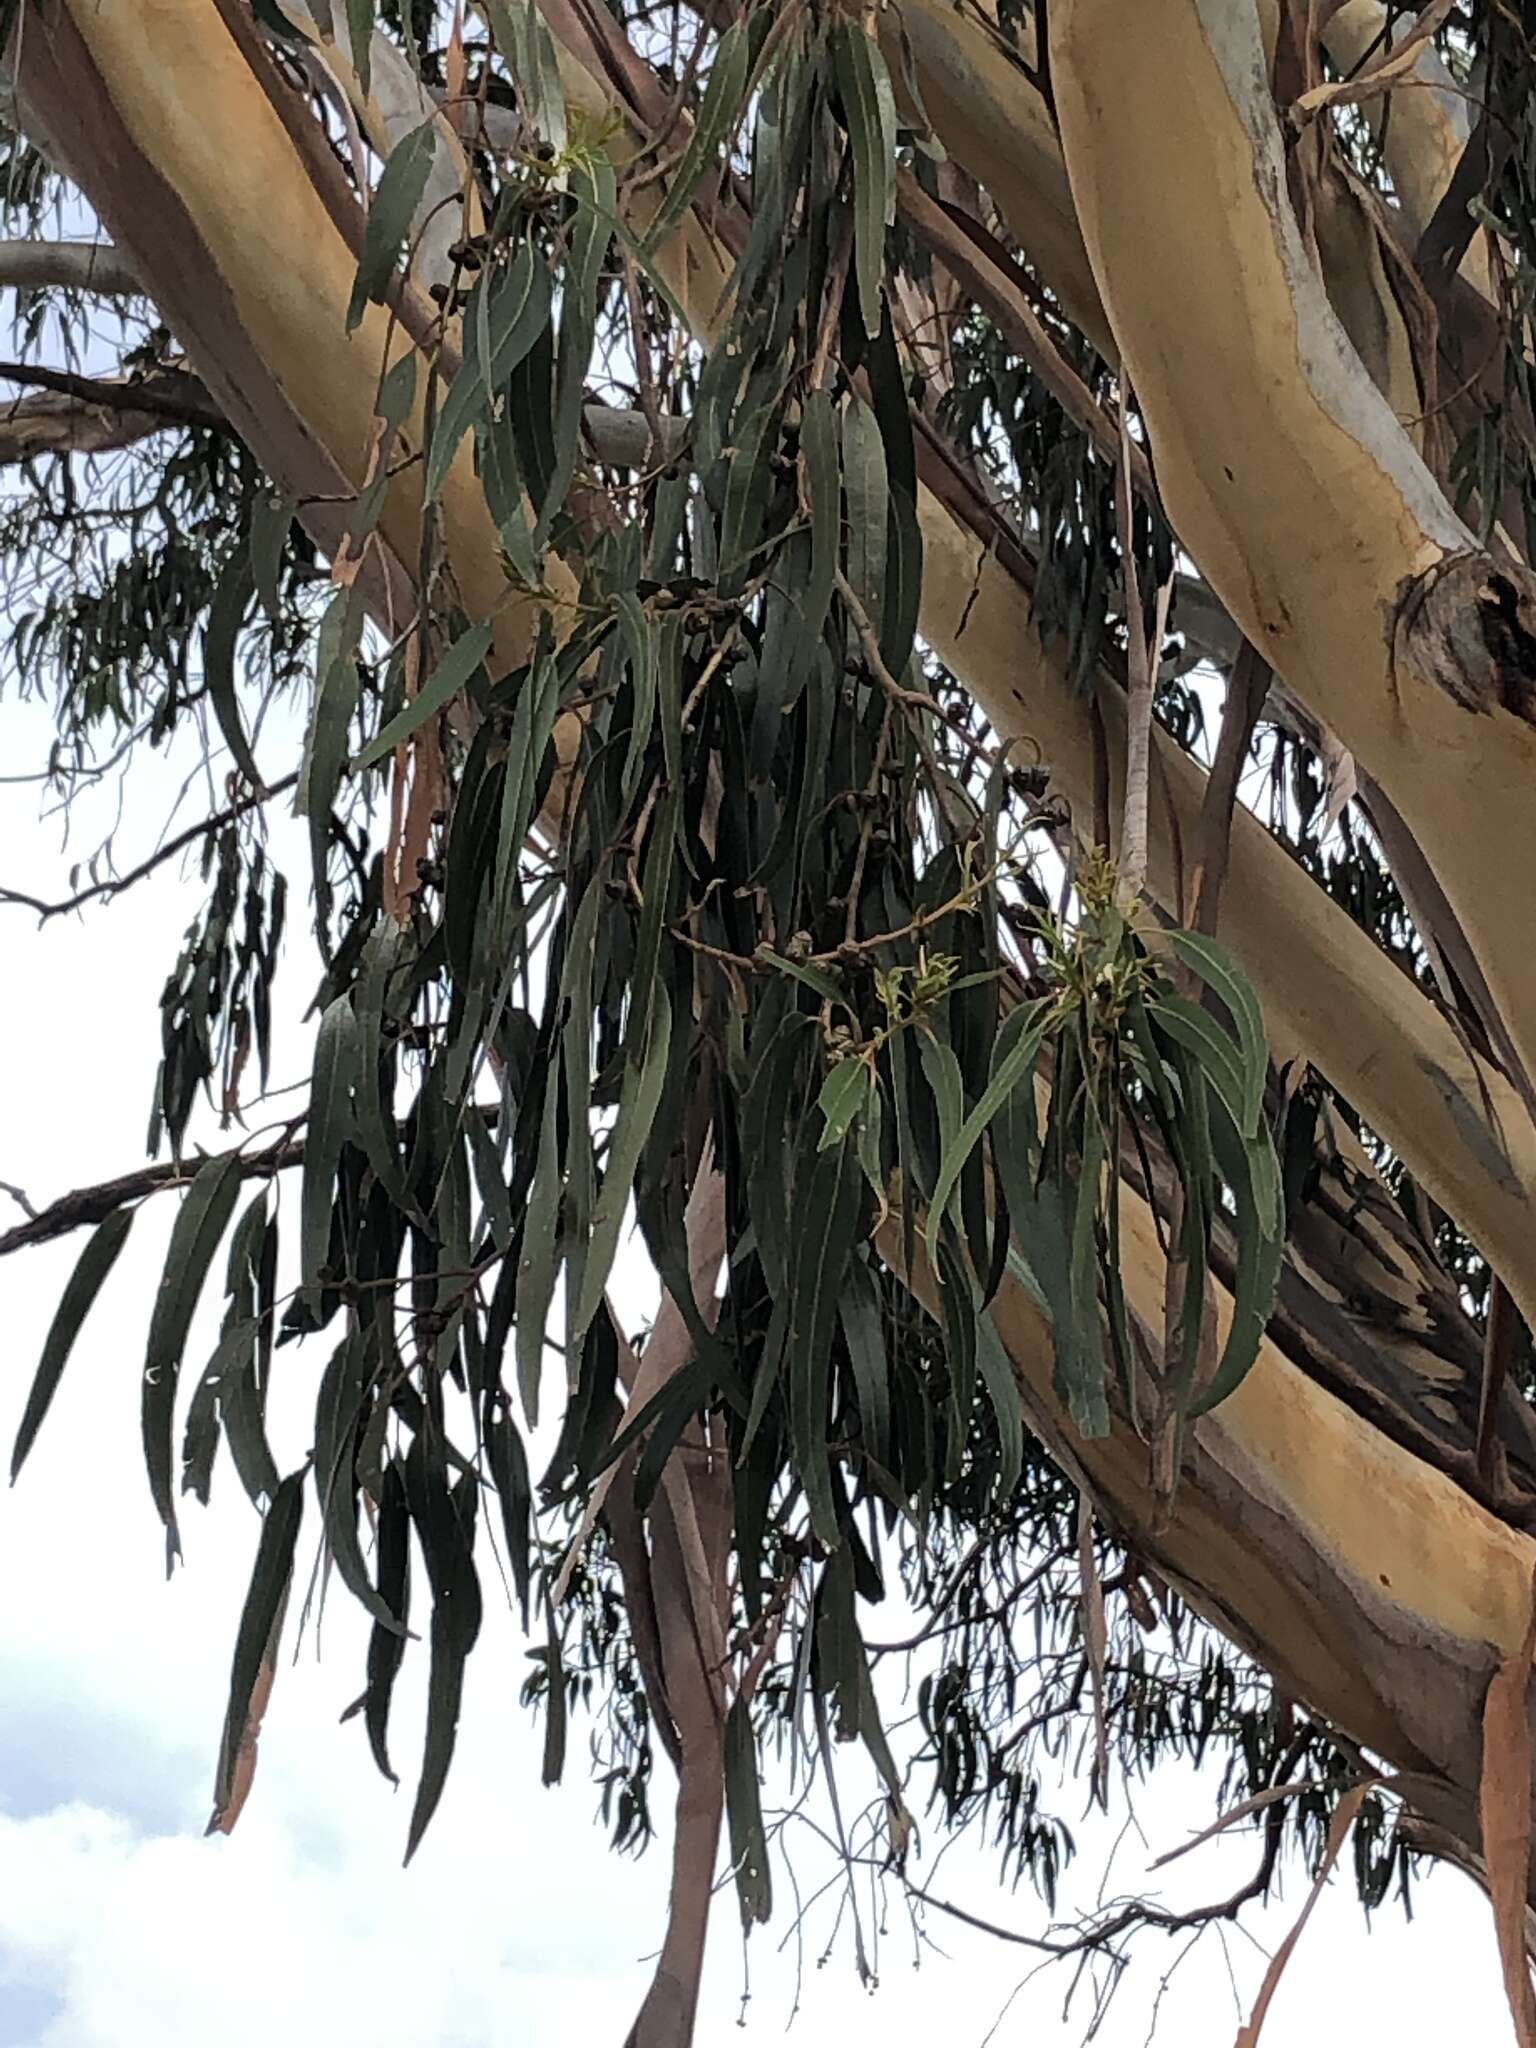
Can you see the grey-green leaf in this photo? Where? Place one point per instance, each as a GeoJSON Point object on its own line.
{"type": "Point", "coordinates": [444, 684]}
{"type": "Point", "coordinates": [260, 1624]}
{"type": "Point", "coordinates": [226, 615]}
{"type": "Point", "coordinates": [723, 105]}
{"type": "Point", "coordinates": [744, 1813]}
{"type": "Point", "coordinates": [330, 1124]}
{"type": "Point", "coordinates": [389, 216]}
{"type": "Point", "coordinates": [200, 1223]}
{"type": "Point", "coordinates": [84, 1284]}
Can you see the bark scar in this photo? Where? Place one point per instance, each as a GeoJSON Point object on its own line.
{"type": "Point", "coordinates": [1468, 625]}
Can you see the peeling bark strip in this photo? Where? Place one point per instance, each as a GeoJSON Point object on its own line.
{"type": "Point", "coordinates": [1284, 470]}
{"type": "Point", "coordinates": [1505, 1814]}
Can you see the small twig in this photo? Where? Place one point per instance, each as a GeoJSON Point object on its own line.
{"type": "Point", "coordinates": [94, 1204]}
{"type": "Point", "coordinates": [167, 852]}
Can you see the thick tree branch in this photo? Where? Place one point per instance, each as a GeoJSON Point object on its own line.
{"type": "Point", "coordinates": [81, 266]}
{"type": "Point", "coordinates": [171, 396]}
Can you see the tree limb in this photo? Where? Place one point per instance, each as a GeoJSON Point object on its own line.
{"type": "Point", "coordinates": [80, 266]}
{"type": "Point", "coordinates": [168, 851]}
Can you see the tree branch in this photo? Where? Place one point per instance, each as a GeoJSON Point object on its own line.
{"type": "Point", "coordinates": [91, 1205]}
{"type": "Point", "coordinates": [171, 848]}
{"type": "Point", "coordinates": [80, 266]}
{"type": "Point", "coordinates": [173, 395]}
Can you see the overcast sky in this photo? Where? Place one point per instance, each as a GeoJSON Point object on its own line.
{"type": "Point", "coordinates": [121, 1926]}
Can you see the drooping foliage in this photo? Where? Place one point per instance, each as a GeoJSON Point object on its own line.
{"type": "Point", "coordinates": [723, 902]}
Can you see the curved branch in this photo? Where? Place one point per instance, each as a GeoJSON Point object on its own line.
{"type": "Point", "coordinates": [80, 266]}
{"type": "Point", "coordinates": [118, 883]}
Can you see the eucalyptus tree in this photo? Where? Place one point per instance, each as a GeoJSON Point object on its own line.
{"type": "Point", "coordinates": [739, 505]}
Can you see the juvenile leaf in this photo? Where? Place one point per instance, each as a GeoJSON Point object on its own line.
{"type": "Point", "coordinates": [1013, 1060]}
{"type": "Point", "coordinates": [1221, 973]}
{"type": "Point", "coordinates": [842, 1096]}
{"type": "Point", "coordinates": [1214, 1054]}
{"type": "Point", "coordinates": [390, 215]}
{"type": "Point", "coordinates": [84, 1284]}
{"type": "Point", "coordinates": [444, 684]}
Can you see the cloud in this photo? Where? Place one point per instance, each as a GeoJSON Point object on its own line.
{"type": "Point", "coordinates": [137, 1939]}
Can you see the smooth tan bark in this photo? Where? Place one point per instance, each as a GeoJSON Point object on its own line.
{"type": "Point", "coordinates": [1369, 1584]}
{"type": "Point", "coordinates": [993, 122]}
{"type": "Point", "coordinates": [1285, 472]}
{"type": "Point", "coordinates": [1328, 992]}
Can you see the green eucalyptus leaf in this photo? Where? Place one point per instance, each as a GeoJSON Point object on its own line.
{"type": "Point", "coordinates": [95, 1262]}
{"type": "Point", "coordinates": [869, 107]}
{"type": "Point", "coordinates": [386, 1645]}
{"type": "Point", "coordinates": [720, 112]}
{"type": "Point", "coordinates": [744, 1817]}
{"type": "Point", "coordinates": [451, 675]}
{"type": "Point", "coordinates": [226, 617]}
{"type": "Point", "coordinates": [261, 1622]}
{"type": "Point", "coordinates": [843, 1095]}
{"type": "Point", "coordinates": [330, 1125]}
{"type": "Point", "coordinates": [393, 207]}
{"type": "Point", "coordinates": [200, 1223]}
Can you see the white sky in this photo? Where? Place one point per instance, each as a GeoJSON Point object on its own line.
{"type": "Point", "coordinates": [121, 1926]}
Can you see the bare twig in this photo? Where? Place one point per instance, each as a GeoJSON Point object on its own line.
{"type": "Point", "coordinates": [171, 848]}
